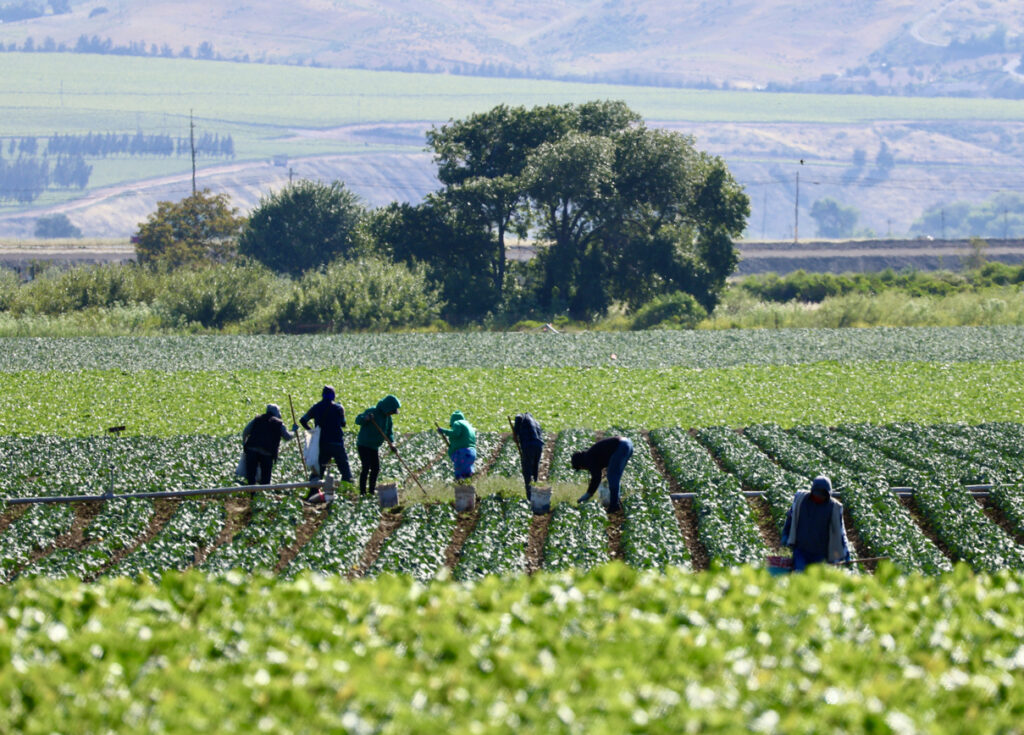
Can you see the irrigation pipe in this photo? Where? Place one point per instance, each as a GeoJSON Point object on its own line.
{"type": "Point", "coordinates": [977, 491]}
{"type": "Point", "coordinates": [327, 484]}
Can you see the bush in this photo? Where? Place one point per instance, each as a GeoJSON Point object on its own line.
{"type": "Point", "coordinates": [57, 291]}
{"type": "Point", "coordinates": [303, 226]}
{"type": "Point", "coordinates": [677, 310]}
{"type": "Point", "coordinates": [56, 226]}
{"type": "Point", "coordinates": [217, 295]}
{"type": "Point", "coordinates": [364, 294]}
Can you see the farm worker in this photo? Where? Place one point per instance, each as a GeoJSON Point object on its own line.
{"type": "Point", "coordinates": [330, 419]}
{"type": "Point", "coordinates": [375, 428]}
{"type": "Point", "coordinates": [609, 454]}
{"type": "Point", "coordinates": [461, 445]}
{"type": "Point", "coordinates": [261, 439]}
{"type": "Point", "coordinates": [814, 527]}
{"type": "Point", "coordinates": [531, 443]}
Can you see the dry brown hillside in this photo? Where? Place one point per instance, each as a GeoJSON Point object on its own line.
{"type": "Point", "coordinates": [739, 42]}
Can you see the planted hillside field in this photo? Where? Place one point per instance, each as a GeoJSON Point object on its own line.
{"type": "Point", "coordinates": [272, 533]}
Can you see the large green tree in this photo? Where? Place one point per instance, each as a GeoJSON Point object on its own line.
{"type": "Point", "coordinates": [455, 253]}
{"type": "Point", "coordinates": [201, 228]}
{"type": "Point", "coordinates": [632, 213]}
{"type": "Point", "coordinates": [628, 213]}
{"type": "Point", "coordinates": [305, 225]}
{"type": "Point", "coordinates": [480, 160]}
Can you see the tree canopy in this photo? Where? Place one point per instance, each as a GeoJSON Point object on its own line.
{"type": "Point", "coordinates": [626, 213]}
{"type": "Point", "coordinates": [305, 225]}
{"type": "Point", "coordinates": [200, 228]}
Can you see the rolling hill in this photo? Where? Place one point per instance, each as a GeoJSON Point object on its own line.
{"type": "Point", "coordinates": [293, 115]}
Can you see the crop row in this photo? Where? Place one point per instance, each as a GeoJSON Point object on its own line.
{"type": "Point", "coordinates": [725, 521]}
{"type": "Point", "coordinates": [497, 544]}
{"type": "Point", "coordinates": [509, 349]}
{"type": "Point", "coordinates": [86, 402]}
{"type": "Point", "coordinates": [863, 461]}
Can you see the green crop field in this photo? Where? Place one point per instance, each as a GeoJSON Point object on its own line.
{"type": "Point", "coordinates": [45, 93]}
{"type": "Point", "coordinates": [232, 613]}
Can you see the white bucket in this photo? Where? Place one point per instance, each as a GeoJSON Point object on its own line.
{"type": "Point", "coordinates": [465, 498]}
{"type": "Point", "coordinates": [540, 498]}
{"type": "Point", "coordinates": [604, 493]}
{"type": "Point", "coordinates": [387, 495]}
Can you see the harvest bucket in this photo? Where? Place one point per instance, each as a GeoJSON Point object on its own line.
{"type": "Point", "coordinates": [779, 565]}
{"type": "Point", "coordinates": [465, 498]}
{"type": "Point", "coordinates": [388, 495]}
{"type": "Point", "coordinates": [540, 498]}
{"type": "Point", "coordinates": [604, 493]}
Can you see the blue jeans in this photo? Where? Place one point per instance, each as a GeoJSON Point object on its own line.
{"type": "Point", "coordinates": [463, 461]}
{"type": "Point", "coordinates": [801, 559]}
{"type": "Point", "coordinates": [616, 466]}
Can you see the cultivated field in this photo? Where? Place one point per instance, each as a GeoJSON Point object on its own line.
{"type": "Point", "coordinates": [176, 614]}
{"type": "Point", "coordinates": [367, 129]}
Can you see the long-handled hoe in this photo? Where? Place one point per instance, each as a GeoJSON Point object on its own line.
{"type": "Point", "coordinates": [298, 436]}
{"type": "Point", "coordinates": [401, 461]}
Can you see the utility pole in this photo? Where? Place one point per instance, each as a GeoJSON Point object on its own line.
{"type": "Point", "coordinates": [290, 172]}
{"type": "Point", "coordinates": [796, 212]}
{"type": "Point", "coordinates": [192, 140]}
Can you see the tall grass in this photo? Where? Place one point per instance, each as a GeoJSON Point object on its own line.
{"type": "Point", "coordinates": [997, 306]}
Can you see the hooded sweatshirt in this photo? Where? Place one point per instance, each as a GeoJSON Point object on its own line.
{"type": "Point", "coordinates": [817, 527]}
{"type": "Point", "coordinates": [462, 435]}
{"type": "Point", "coordinates": [370, 435]}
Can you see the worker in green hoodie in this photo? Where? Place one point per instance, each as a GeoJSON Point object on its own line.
{"type": "Point", "coordinates": [375, 428]}
{"type": "Point", "coordinates": [461, 445]}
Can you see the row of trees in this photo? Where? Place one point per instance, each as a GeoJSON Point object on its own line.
{"type": "Point", "coordinates": [24, 179]}
{"type": "Point", "coordinates": [110, 144]}
{"type": "Point", "coordinates": [96, 45]}
{"type": "Point", "coordinates": [619, 212]}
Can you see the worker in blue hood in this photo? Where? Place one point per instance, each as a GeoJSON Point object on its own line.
{"type": "Point", "coordinates": [814, 527]}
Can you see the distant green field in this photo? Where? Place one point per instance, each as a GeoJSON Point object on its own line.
{"type": "Point", "coordinates": [43, 93]}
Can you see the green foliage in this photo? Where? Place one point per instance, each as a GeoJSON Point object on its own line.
{"type": "Point", "coordinates": [999, 217]}
{"type": "Point", "coordinates": [86, 401]}
{"type": "Point", "coordinates": [215, 296]}
{"type": "Point", "coordinates": [304, 226]}
{"type": "Point", "coordinates": [200, 228]}
{"type": "Point", "coordinates": [833, 219]}
{"type": "Point", "coordinates": [59, 291]}
{"type": "Point", "coordinates": [55, 226]}
{"type": "Point", "coordinates": [363, 294]}
{"type": "Point", "coordinates": [677, 310]}
{"type": "Point", "coordinates": [457, 256]}
{"type": "Point", "coordinates": [629, 213]}
{"type": "Point", "coordinates": [327, 654]}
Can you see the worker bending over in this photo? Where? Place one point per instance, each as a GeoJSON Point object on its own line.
{"type": "Point", "coordinates": [609, 454]}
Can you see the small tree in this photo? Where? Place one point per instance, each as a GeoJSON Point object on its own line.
{"type": "Point", "coordinates": [56, 225]}
{"type": "Point", "coordinates": [833, 219]}
{"type": "Point", "coordinates": [303, 226]}
{"type": "Point", "coordinates": [201, 228]}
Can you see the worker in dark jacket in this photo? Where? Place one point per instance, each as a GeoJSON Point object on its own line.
{"type": "Point", "coordinates": [814, 527]}
{"type": "Point", "coordinates": [261, 439]}
{"type": "Point", "coordinates": [610, 455]}
{"type": "Point", "coordinates": [375, 428]}
{"type": "Point", "coordinates": [330, 419]}
{"type": "Point", "coordinates": [530, 439]}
